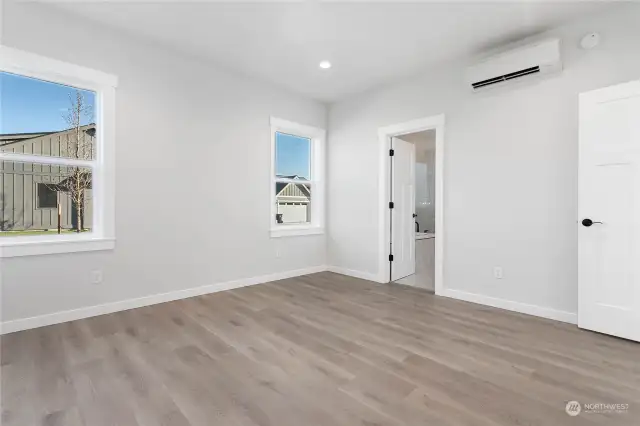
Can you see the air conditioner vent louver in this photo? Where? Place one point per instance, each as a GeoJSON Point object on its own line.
{"type": "Point", "coordinates": [528, 62]}
{"type": "Point", "coordinates": [506, 77]}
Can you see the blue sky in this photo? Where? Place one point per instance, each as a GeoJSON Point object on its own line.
{"type": "Point", "coordinates": [292, 155]}
{"type": "Point", "coordinates": [28, 105]}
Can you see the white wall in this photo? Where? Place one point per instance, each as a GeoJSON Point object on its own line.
{"type": "Point", "coordinates": [190, 138]}
{"type": "Point", "coordinates": [510, 171]}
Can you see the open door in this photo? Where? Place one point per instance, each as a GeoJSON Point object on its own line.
{"type": "Point", "coordinates": [403, 238]}
{"type": "Point", "coordinates": [609, 211]}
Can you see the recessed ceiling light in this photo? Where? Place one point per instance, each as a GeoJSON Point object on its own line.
{"type": "Point", "coordinates": [325, 65]}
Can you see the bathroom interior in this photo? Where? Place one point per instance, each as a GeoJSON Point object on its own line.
{"type": "Point", "coordinates": [425, 187]}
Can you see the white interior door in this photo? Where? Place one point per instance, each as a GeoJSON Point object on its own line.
{"type": "Point", "coordinates": [403, 193]}
{"type": "Point", "coordinates": [609, 218]}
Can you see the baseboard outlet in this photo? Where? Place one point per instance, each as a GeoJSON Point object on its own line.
{"type": "Point", "coordinates": [353, 273]}
{"type": "Point", "coordinates": [108, 308]}
{"type": "Point", "coordinates": [523, 308]}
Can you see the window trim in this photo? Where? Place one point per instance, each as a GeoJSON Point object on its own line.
{"type": "Point", "coordinates": [37, 197]}
{"type": "Point", "coordinates": [317, 181]}
{"type": "Point", "coordinates": [102, 236]}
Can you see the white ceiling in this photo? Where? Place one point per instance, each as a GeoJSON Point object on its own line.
{"type": "Point", "coordinates": [369, 44]}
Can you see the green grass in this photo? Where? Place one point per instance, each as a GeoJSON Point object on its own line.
{"type": "Point", "coordinates": [36, 232]}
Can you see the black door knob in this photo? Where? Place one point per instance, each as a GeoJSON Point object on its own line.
{"type": "Point", "coordinates": [588, 222]}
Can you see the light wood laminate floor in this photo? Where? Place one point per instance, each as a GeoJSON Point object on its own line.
{"type": "Point", "coordinates": [321, 349]}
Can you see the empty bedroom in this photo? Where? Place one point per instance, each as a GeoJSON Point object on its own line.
{"type": "Point", "coordinates": [319, 213]}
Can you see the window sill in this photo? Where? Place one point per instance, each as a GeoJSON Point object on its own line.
{"type": "Point", "coordinates": [38, 247]}
{"type": "Point", "coordinates": [294, 231]}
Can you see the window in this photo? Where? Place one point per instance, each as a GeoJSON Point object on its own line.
{"type": "Point", "coordinates": [56, 156]}
{"type": "Point", "coordinates": [297, 173]}
{"type": "Point", "coordinates": [47, 196]}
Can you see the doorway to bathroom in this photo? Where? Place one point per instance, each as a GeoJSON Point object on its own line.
{"type": "Point", "coordinates": [413, 215]}
{"type": "Point", "coordinates": [411, 190]}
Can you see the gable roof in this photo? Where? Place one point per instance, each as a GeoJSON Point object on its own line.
{"type": "Point", "coordinates": [290, 189]}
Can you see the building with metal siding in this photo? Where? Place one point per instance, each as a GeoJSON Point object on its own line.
{"type": "Point", "coordinates": [293, 202]}
{"type": "Point", "coordinates": [30, 193]}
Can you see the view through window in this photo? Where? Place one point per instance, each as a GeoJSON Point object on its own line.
{"type": "Point", "coordinates": [51, 129]}
{"type": "Point", "coordinates": [293, 179]}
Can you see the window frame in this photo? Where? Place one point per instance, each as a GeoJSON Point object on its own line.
{"type": "Point", "coordinates": [37, 201]}
{"type": "Point", "coordinates": [317, 139]}
{"type": "Point", "coordinates": [102, 234]}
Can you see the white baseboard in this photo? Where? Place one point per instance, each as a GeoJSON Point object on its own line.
{"type": "Point", "coordinates": [524, 308]}
{"type": "Point", "coordinates": [107, 308]}
{"type": "Point", "coordinates": [353, 273]}
{"type": "Point", "coordinates": [92, 311]}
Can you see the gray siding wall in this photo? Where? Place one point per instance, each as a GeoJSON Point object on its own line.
{"type": "Point", "coordinates": [18, 183]}
{"type": "Point", "coordinates": [57, 144]}
{"type": "Point", "coordinates": [18, 201]}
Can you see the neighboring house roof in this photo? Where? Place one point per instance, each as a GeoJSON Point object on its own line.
{"type": "Point", "coordinates": [13, 138]}
{"type": "Point", "coordinates": [291, 189]}
{"type": "Point", "coordinates": [18, 137]}
{"type": "Point", "coordinates": [293, 177]}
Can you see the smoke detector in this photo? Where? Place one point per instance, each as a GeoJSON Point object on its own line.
{"type": "Point", "coordinates": [590, 41]}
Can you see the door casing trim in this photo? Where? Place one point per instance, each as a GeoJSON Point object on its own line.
{"type": "Point", "coordinates": [437, 123]}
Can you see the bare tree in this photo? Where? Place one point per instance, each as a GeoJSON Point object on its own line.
{"type": "Point", "coordinates": [75, 181]}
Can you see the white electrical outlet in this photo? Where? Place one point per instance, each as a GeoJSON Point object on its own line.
{"type": "Point", "coordinates": [96, 277]}
{"type": "Point", "coordinates": [497, 272]}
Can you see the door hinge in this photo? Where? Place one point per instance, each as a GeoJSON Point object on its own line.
{"type": "Point", "coordinates": [390, 258]}
{"type": "Point", "coordinates": [391, 152]}
{"type": "Point", "coordinates": [390, 204]}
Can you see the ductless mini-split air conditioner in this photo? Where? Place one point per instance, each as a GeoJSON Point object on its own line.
{"type": "Point", "coordinates": [516, 65]}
